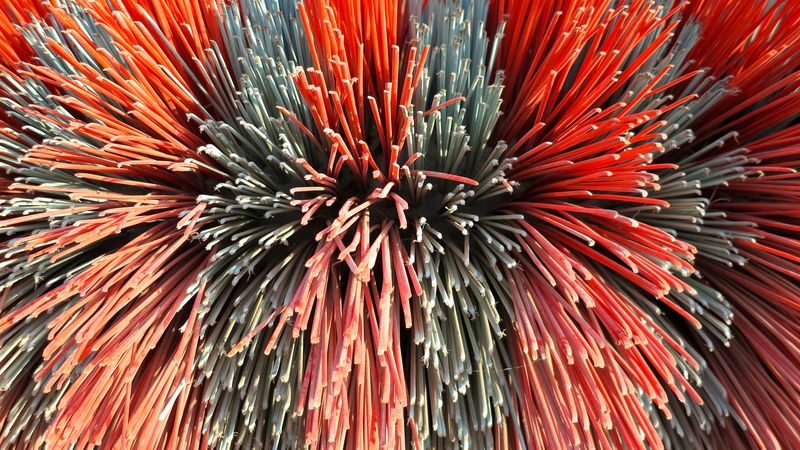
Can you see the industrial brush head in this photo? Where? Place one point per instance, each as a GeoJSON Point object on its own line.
{"type": "Point", "coordinates": [243, 224]}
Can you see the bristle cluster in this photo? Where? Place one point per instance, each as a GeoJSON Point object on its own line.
{"type": "Point", "coordinates": [401, 223]}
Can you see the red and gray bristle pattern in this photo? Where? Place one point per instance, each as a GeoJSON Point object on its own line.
{"type": "Point", "coordinates": [514, 224]}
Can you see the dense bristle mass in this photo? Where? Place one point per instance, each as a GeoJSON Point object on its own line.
{"type": "Point", "coordinates": [404, 223]}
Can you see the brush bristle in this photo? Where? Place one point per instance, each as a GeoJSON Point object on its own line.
{"type": "Point", "coordinates": [400, 223]}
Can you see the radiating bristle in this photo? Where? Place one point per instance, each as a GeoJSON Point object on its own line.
{"type": "Point", "coordinates": [390, 224]}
